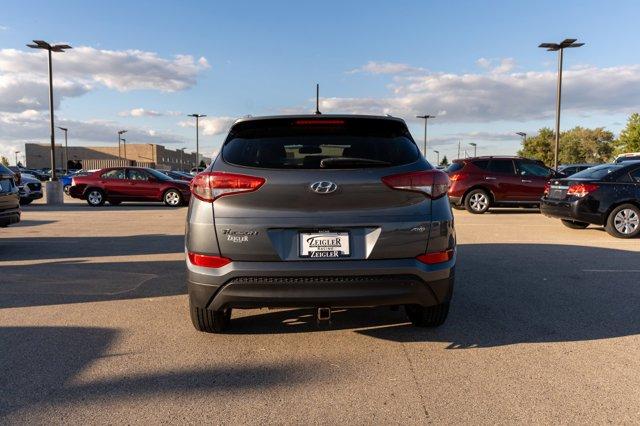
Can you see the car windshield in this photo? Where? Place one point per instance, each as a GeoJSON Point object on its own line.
{"type": "Point", "coordinates": [158, 175]}
{"type": "Point", "coordinates": [597, 172]}
{"type": "Point", "coordinates": [320, 144]}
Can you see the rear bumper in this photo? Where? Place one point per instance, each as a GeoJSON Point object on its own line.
{"type": "Point", "coordinates": [321, 283]}
{"type": "Point", "coordinates": [8, 217]}
{"type": "Point", "coordinates": [581, 210]}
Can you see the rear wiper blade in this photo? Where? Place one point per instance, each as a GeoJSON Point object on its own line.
{"type": "Point", "coordinates": [342, 162]}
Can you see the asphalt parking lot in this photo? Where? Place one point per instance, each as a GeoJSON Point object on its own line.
{"type": "Point", "coordinates": [94, 328]}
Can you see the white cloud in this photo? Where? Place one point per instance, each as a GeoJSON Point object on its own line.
{"type": "Point", "coordinates": [504, 65]}
{"type": "Point", "coordinates": [501, 96]}
{"type": "Point", "coordinates": [3, 28]}
{"type": "Point", "coordinates": [24, 81]}
{"type": "Point", "coordinates": [141, 112]}
{"type": "Point", "coordinates": [211, 126]}
{"type": "Point", "coordinates": [373, 67]}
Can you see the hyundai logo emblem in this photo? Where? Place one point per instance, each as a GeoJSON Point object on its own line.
{"type": "Point", "coordinates": [323, 187]}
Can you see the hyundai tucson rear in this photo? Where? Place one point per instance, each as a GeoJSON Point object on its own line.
{"type": "Point", "coordinates": [321, 212]}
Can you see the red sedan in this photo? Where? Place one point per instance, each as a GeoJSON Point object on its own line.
{"type": "Point", "coordinates": [118, 184]}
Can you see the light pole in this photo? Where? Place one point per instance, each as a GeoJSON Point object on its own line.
{"type": "Point", "coordinates": [16, 152]}
{"type": "Point", "coordinates": [66, 148]}
{"type": "Point", "coordinates": [124, 148]}
{"type": "Point", "coordinates": [41, 44]}
{"type": "Point", "coordinates": [524, 137]}
{"type": "Point", "coordinates": [559, 47]}
{"type": "Point", "coordinates": [426, 118]}
{"type": "Point", "coordinates": [437, 157]}
{"type": "Point", "coordinates": [197, 116]}
{"type": "Point", "coordinates": [120, 133]}
{"type": "Point", "coordinates": [475, 146]}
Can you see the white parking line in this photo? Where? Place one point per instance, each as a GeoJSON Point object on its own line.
{"type": "Point", "coordinates": [612, 270]}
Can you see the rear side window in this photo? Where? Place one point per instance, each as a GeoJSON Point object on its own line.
{"type": "Point", "coordinates": [483, 164]}
{"type": "Point", "coordinates": [320, 143]}
{"type": "Point", "coordinates": [597, 172]}
{"type": "Point", "coordinates": [454, 167]}
{"type": "Point", "coordinates": [526, 168]}
{"type": "Point", "coordinates": [635, 175]}
{"type": "Point", "coordinates": [501, 166]}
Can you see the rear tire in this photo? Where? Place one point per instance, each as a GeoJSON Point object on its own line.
{"type": "Point", "coordinates": [427, 316]}
{"type": "Point", "coordinates": [574, 224]}
{"type": "Point", "coordinates": [624, 221]}
{"type": "Point", "coordinates": [172, 198]}
{"type": "Point", "coordinates": [477, 201]}
{"type": "Point", "coordinates": [66, 189]}
{"type": "Point", "coordinates": [95, 197]}
{"type": "Point", "coordinates": [209, 321]}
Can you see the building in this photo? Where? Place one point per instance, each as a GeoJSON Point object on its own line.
{"type": "Point", "coordinates": [37, 156]}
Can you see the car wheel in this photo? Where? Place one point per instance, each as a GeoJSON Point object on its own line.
{"type": "Point", "coordinates": [427, 316]}
{"type": "Point", "coordinates": [574, 224]}
{"type": "Point", "coordinates": [210, 321]}
{"type": "Point", "coordinates": [25, 201]}
{"type": "Point", "coordinates": [624, 221]}
{"type": "Point", "coordinates": [95, 197]}
{"type": "Point", "coordinates": [477, 201]}
{"type": "Point", "coordinates": [114, 203]}
{"type": "Point", "coordinates": [66, 189]}
{"type": "Point", "coordinates": [172, 198]}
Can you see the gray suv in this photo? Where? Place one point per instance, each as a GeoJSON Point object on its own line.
{"type": "Point", "coordinates": [319, 211]}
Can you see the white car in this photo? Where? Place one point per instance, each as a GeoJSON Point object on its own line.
{"type": "Point", "coordinates": [30, 189]}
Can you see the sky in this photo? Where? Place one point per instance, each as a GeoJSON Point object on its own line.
{"type": "Point", "coordinates": [143, 66]}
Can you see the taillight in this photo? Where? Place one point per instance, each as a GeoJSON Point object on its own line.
{"type": "Point", "coordinates": [436, 257]}
{"type": "Point", "coordinates": [457, 176]}
{"type": "Point", "coordinates": [581, 189]}
{"type": "Point", "coordinates": [208, 186]}
{"type": "Point", "coordinates": [208, 261]}
{"type": "Point", "coordinates": [547, 188]}
{"type": "Point", "coordinates": [432, 183]}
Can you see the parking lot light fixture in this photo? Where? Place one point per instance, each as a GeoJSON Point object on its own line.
{"type": "Point", "coordinates": [120, 133]}
{"type": "Point", "coordinates": [437, 157]}
{"type": "Point", "coordinates": [559, 47]}
{"type": "Point", "coordinates": [197, 117]}
{"type": "Point", "coordinates": [66, 149]}
{"type": "Point", "coordinates": [426, 118]}
{"type": "Point", "coordinates": [475, 146]}
{"type": "Point", "coordinates": [41, 44]}
{"type": "Point", "coordinates": [523, 135]}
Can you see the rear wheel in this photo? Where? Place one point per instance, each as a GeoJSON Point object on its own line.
{"type": "Point", "coordinates": [624, 221]}
{"type": "Point", "coordinates": [95, 197]}
{"type": "Point", "coordinates": [574, 224]}
{"type": "Point", "coordinates": [66, 189]}
{"type": "Point", "coordinates": [427, 316]}
{"type": "Point", "coordinates": [172, 198]}
{"type": "Point", "coordinates": [477, 201]}
{"type": "Point", "coordinates": [210, 321]}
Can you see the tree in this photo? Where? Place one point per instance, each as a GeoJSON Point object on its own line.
{"type": "Point", "coordinates": [444, 162]}
{"type": "Point", "coordinates": [4, 160]}
{"type": "Point", "coordinates": [629, 140]}
{"type": "Point", "coordinates": [578, 145]}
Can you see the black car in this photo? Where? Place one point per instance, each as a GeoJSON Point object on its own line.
{"type": "Point", "coordinates": [9, 198]}
{"type": "Point", "coordinates": [606, 195]}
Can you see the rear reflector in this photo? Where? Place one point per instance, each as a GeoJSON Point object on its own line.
{"type": "Point", "coordinates": [436, 257]}
{"type": "Point", "coordinates": [209, 186]}
{"type": "Point", "coordinates": [581, 189]}
{"type": "Point", "coordinates": [208, 261]}
{"type": "Point", "coordinates": [547, 188]}
{"type": "Point", "coordinates": [432, 183]}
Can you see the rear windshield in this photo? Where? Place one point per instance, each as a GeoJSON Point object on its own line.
{"type": "Point", "coordinates": [597, 172]}
{"type": "Point", "coordinates": [316, 143]}
{"type": "Point", "coordinates": [454, 167]}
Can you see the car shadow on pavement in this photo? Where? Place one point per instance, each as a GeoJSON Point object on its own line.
{"type": "Point", "coordinates": [40, 366]}
{"type": "Point", "coordinates": [30, 222]}
{"type": "Point", "coordinates": [55, 248]}
{"type": "Point", "coordinates": [504, 294]}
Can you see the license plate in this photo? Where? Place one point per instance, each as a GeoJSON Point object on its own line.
{"type": "Point", "coordinates": [324, 244]}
